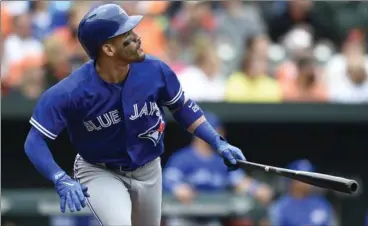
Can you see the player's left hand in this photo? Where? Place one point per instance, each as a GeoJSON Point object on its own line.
{"type": "Point", "coordinates": [230, 154]}
{"type": "Point", "coordinates": [71, 193]}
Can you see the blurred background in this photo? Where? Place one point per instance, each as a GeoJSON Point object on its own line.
{"type": "Point", "coordinates": [286, 81]}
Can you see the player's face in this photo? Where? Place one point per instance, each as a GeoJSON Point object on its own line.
{"type": "Point", "coordinates": [301, 188]}
{"type": "Point", "coordinates": [128, 47]}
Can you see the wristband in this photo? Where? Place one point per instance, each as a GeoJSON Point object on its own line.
{"type": "Point", "coordinates": [58, 175]}
{"type": "Point", "coordinates": [188, 114]}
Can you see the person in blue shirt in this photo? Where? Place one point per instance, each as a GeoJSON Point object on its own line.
{"type": "Point", "coordinates": [301, 206]}
{"type": "Point", "coordinates": [113, 110]}
{"type": "Point", "coordinates": [197, 169]}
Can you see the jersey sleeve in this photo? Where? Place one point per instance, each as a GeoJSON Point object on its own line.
{"type": "Point", "coordinates": [276, 216]}
{"type": "Point", "coordinates": [172, 95]}
{"type": "Point", "coordinates": [330, 213]}
{"type": "Point", "coordinates": [49, 116]}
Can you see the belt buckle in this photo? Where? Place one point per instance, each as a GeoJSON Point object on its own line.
{"type": "Point", "coordinates": [121, 169]}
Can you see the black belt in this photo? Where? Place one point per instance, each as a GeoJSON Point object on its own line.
{"type": "Point", "coordinates": [117, 167]}
{"type": "Point", "coordinates": [123, 168]}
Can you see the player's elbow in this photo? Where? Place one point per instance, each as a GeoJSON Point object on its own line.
{"type": "Point", "coordinates": [28, 144]}
{"type": "Point", "coordinates": [33, 138]}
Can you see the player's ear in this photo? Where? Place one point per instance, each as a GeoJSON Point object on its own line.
{"type": "Point", "coordinates": [108, 49]}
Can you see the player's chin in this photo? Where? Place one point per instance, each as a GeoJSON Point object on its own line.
{"type": "Point", "coordinates": [139, 56]}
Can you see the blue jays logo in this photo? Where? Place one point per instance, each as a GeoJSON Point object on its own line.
{"type": "Point", "coordinates": [155, 132]}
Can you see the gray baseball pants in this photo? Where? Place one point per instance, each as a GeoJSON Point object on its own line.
{"type": "Point", "coordinates": [120, 198]}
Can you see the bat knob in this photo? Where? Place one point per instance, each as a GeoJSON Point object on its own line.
{"type": "Point", "coordinates": [353, 186]}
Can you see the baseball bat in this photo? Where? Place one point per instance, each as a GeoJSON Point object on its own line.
{"type": "Point", "coordinates": [340, 184]}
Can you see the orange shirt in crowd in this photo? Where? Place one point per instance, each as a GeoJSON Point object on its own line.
{"type": "Point", "coordinates": [64, 35]}
{"type": "Point", "coordinates": [6, 21]}
{"type": "Point", "coordinates": [151, 30]}
{"type": "Point", "coordinates": [18, 68]}
{"type": "Point", "coordinates": [293, 92]}
{"type": "Point", "coordinates": [287, 74]}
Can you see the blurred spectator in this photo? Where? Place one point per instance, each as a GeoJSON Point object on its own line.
{"type": "Point", "coordinates": [195, 18]}
{"type": "Point", "coordinates": [297, 43]}
{"type": "Point", "coordinates": [301, 205]}
{"type": "Point", "coordinates": [197, 168]}
{"type": "Point", "coordinates": [252, 82]}
{"type": "Point", "coordinates": [346, 73]}
{"type": "Point", "coordinates": [19, 45]}
{"type": "Point", "coordinates": [41, 18]}
{"type": "Point", "coordinates": [65, 220]}
{"type": "Point", "coordinates": [307, 85]}
{"type": "Point", "coordinates": [6, 21]}
{"type": "Point", "coordinates": [174, 50]}
{"type": "Point", "coordinates": [169, 31]}
{"type": "Point", "coordinates": [59, 11]}
{"type": "Point", "coordinates": [3, 86]}
{"type": "Point", "coordinates": [1, 56]}
{"type": "Point", "coordinates": [67, 38]}
{"type": "Point", "coordinates": [58, 62]}
{"type": "Point", "coordinates": [343, 16]}
{"type": "Point", "coordinates": [236, 21]}
{"type": "Point", "coordinates": [16, 8]}
{"type": "Point", "coordinates": [299, 12]}
{"type": "Point", "coordinates": [31, 83]}
{"type": "Point", "coordinates": [152, 28]}
{"type": "Point", "coordinates": [203, 81]}
{"type": "Point", "coordinates": [353, 88]}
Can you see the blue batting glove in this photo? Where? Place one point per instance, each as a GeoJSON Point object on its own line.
{"type": "Point", "coordinates": [70, 192]}
{"type": "Point", "coordinates": [230, 154]}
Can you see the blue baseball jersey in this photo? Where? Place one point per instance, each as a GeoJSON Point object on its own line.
{"type": "Point", "coordinates": [119, 124]}
{"type": "Point", "coordinates": [313, 210]}
{"type": "Point", "coordinates": [202, 173]}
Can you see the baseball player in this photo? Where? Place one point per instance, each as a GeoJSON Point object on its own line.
{"type": "Point", "coordinates": [197, 169]}
{"type": "Point", "coordinates": [112, 108]}
{"type": "Point", "coordinates": [300, 206]}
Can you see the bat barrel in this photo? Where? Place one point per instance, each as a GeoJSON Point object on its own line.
{"type": "Point", "coordinates": [317, 179]}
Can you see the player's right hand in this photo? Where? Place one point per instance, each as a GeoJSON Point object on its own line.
{"type": "Point", "coordinates": [71, 192]}
{"type": "Point", "coordinates": [230, 154]}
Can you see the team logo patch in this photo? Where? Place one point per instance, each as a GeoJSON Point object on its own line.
{"type": "Point", "coordinates": [154, 133]}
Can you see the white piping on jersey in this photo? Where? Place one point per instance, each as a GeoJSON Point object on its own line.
{"type": "Point", "coordinates": [175, 99]}
{"type": "Point", "coordinates": [42, 129]}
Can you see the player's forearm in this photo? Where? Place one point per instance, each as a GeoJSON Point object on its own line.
{"type": "Point", "coordinates": [39, 154]}
{"type": "Point", "coordinates": [191, 117]}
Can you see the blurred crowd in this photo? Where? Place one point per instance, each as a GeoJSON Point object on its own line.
{"type": "Point", "coordinates": [233, 51]}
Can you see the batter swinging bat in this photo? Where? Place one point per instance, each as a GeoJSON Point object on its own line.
{"type": "Point", "coordinates": [317, 179]}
